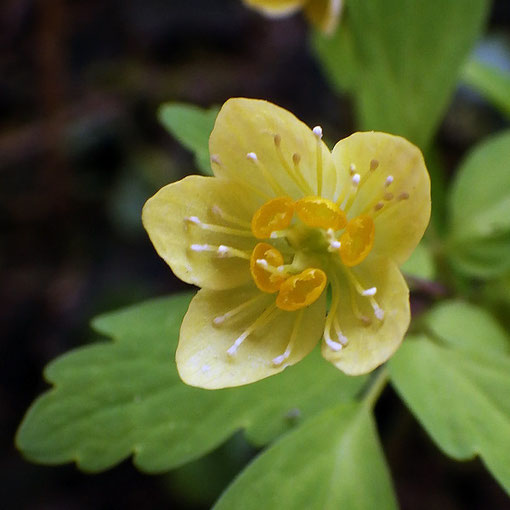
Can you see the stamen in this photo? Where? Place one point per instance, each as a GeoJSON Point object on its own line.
{"type": "Point", "coordinates": [351, 193]}
{"type": "Point", "coordinates": [317, 131]}
{"type": "Point", "coordinates": [402, 196]}
{"type": "Point", "coordinates": [388, 196]}
{"type": "Point", "coordinates": [388, 181]}
{"type": "Point", "coordinates": [294, 174]}
{"type": "Point", "coordinates": [222, 251]}
{"type": "Point", "coordinates": [215, 159]}
{"type": "Point", "coordinates": [220, 319]}
{"type": "Point", "coordinates": [267, 315]}
{"type": "Point", "coordinates": [369, 293]}
{"type": "Point", "coordinates": [217, 211]}
{"type": "Point", "coordinates": [373, 164]}
{"type": "Point", "coordinates": [378, 206]}
{"type": "Point", "coordinates": [218, 228]}
{"type": "Point", "coordinates": [352, 169]}
{"type": "Point", "coordinates": [251, 156]}
{"type": "Point", "coordinates": [282, 357]}
{"type": "Point", "coordinates": [355, 179]}
{"type": "Point", "coordinates": [332, 320]}
{"type": "Point", "coordinates": [334, 243]}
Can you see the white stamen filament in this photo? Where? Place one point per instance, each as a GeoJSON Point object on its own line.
{"type": "Point", "coordinates": [220, 319]}
{"type": "Point", "coordinates": [217, 211]}
{"type": "Point", "coordinates": [194, 220]}
{"type": "Point", "coordinates": [282, 357]}
{"type": "Point", "coordinates": [266, 316]}
{"type": "Point", "coordinates": [267, 175]}
{"type": "Point", "coordinates": [222, 251]}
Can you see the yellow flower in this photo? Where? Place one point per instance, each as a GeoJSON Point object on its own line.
{"type": "Point", "coordinates": [323, 14]}
{"type": "Point", "coordinates": [283, 219]}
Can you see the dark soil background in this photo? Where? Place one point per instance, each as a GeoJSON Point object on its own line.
{"type": "Point", "coordinates": [81, 150]}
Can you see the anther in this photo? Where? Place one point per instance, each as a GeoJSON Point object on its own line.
{"type": "Point", "coordinates": [369, 292]}
{"type": "Point", "coordinates": [355, 179]}
{"type": "Point", "coordinates": [403, 196]}
{"type": "Point", "coordinates": [378, 206]}
{"type": "Point", "coordinates": [388, 196]}
{"type": "Point", "coordinates": [193, 219]}
{"type": "Point", "coordinates": [215, 159]}
{"type": "Point", "coordinates": [388, 181]}
{"type": "Point", "coordinates": [374, 164]}
{"type": "Point", "coordinates": [277, 140]}
{"type": "Point", "coordinates": [252, 156]}
{"type": "Point", "coordinates": [317, 131]}
{"type": "Point", "coordinates": [296, 158]}
{"type": "Point", "coordinates": [352, 169]}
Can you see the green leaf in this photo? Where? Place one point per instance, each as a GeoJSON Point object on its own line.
{"type": "Point", "coordinates": [332, 461]}
{"type": "Point", "coordinates": [479, 207]}
{"type": "Point", "coordinates": [466, 326]}
{"type": "Point", "coordinates": [337, 56]}
{"type": "Point", "coordinates": [420, 264]}
{"type": "Point", "coordinates": [114, 399]}
{"type": "Point", "coordinates": [192, 126]}
{"type": "Point", "coordinates": [461, 397]}
{"type": "Point", "coordinates": [491, 82]}
{"type": "Point", "coordinates": [408, 56]}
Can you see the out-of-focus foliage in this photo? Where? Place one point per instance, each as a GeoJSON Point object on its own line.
{"type": "Point", "coordinates": [491, 82]}
{"type": "Point", "coordinates": [479, 204]}
{"type": "Point", "coordinates": [460, 396]}
{"type": "Point", "coordinates": [401, 60]}
{"type": "Point", "coordinates": [333, 461]}
{"type": "Point", "coordinates": [420, 264]}
{"type": "Point", "coordinates": [192, 126]}
{"type": "Point", "coordinates": [117, 398]}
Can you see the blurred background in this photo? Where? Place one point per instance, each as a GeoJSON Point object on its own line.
{"type": "Point", "coordinates": [81, 150]}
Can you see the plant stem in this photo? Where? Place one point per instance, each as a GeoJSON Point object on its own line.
{"type": "Point", "coordinates": [379, 382]}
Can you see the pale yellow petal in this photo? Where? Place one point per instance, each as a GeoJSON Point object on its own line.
{"type": "Point", "coordinates": [324, 14]}
{"type": "Point", "coordinates": [202, 358]}
{"type": "Point", "coordinates": [275, 8]}
{"type": "Point", "coordinates": [368, 346]}
{"type": "Point", "coordinates": [400, 224]}
{"type": "Point", "coordinates": [244, 147]}
{"type": "Point", "coordinates": [171, 216]}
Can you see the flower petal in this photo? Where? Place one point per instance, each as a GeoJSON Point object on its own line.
{"type": "Point", "coordinates": [324, 14]}
{"type": "Point", "coordinates": [167, 218]}
{"type": "Point", "coordinates": [202, 358]}
{"type": "Point", "coordinates": [401, 222]}
{"type": "Point", "coordinates": [258, 143]}
{"type": "Point", "coordinates": [275, 8]}
{"type": "Point", "coordinates": [368, 346]}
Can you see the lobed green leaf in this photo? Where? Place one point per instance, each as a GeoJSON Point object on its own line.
{"type": "Point", "coordinates": [191, 126]}
{"type": "Point", "coordinates": [491, 82]}
{"type": "Point", "coordinates": [332, 461]}
{"type": "Point", "coordinates": [114, 399]}
{"type": "Point", "coordinates": [402, 59]}
{"type": "Point", "coordinates": [461, 397]}
{"type": "Point", "coordinates": [479, 208]}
